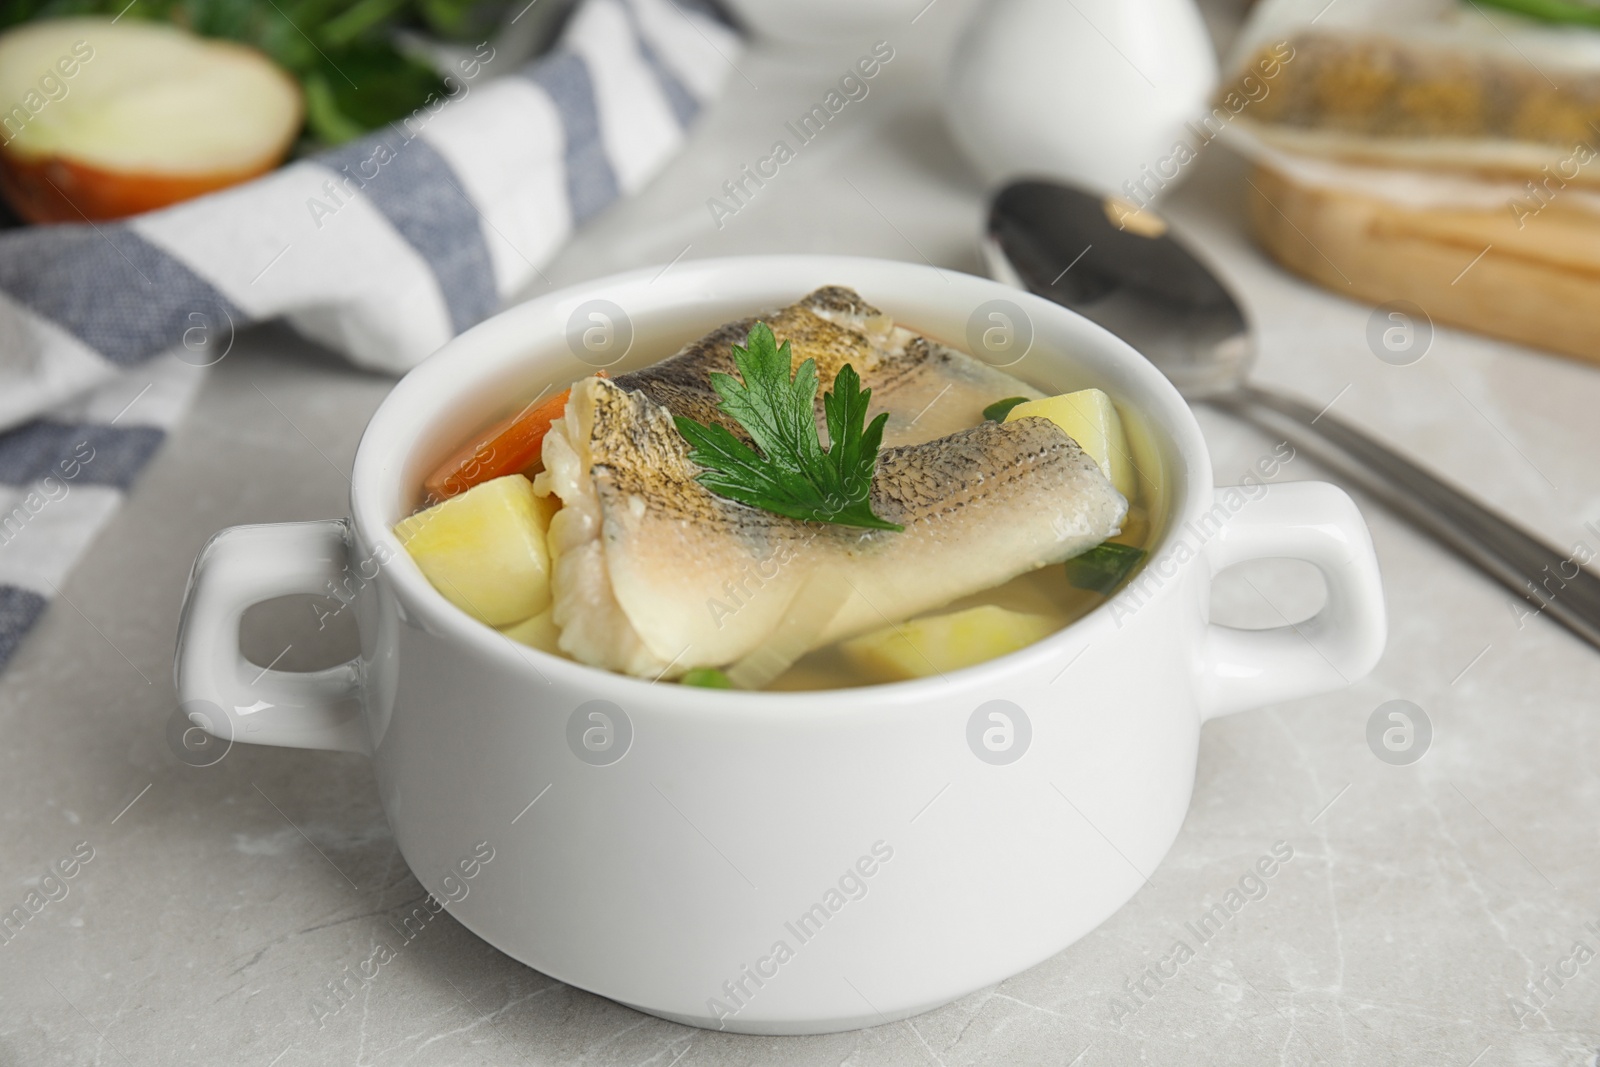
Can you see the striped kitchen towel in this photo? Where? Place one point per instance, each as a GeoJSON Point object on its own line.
{"type": "Point", "coordinates": [382, 249]}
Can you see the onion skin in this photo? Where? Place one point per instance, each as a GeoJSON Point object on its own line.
{"type": "Point", "coordinates": [56, 189]}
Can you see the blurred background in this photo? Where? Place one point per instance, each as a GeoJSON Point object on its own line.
{"type": "Point", "coordinates": [1381, 137]}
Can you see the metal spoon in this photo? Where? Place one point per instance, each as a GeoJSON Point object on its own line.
{"type": "Point", "coordinates": [1128, 272]}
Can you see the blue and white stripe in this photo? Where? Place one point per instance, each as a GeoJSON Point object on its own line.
{"type": "Point", "coordinates": [382, 249]}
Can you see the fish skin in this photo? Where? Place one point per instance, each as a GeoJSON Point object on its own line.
{"type": "Point", "coordinates": [927, 389]}
{"type": "Point", "coordinates": [654, 575]}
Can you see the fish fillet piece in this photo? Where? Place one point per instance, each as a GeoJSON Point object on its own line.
{"type": "Point", "coordinates": [928, 389]}
{"type": "Point", "coordinates": [653, 574]}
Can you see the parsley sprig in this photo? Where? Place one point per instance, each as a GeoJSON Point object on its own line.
{"type": "Point", "coordinates": [791, 474]}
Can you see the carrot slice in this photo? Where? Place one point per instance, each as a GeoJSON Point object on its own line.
{"type": "Point", "coordinates": [507, 447]}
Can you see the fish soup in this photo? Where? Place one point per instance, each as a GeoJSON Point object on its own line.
{"type": "Point", "coordinates": [817, 497]}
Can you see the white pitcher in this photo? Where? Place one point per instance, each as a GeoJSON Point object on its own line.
{"type": "Point", "coordinates": [1096, 92]}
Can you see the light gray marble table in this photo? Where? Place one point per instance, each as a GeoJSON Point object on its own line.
{"type": "Point", "coordinates": [1419, 902]}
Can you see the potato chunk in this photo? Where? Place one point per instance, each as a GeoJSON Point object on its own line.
{"type": "Point", "coordinates": [937, 644]}
{"type": "Point", "coordinates": [485, 550]}
{"type": "Point", "coordinates": [539, 632]}
{"type": "Point", "coordinates": [1089, 418]}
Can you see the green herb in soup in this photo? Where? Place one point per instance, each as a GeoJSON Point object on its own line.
{"type": "Point", "coordinates": [707, 678]}
{"type": "Point", "coordinates": [998, 411]}
{"type": "Point", "coordinates": [1102, 568]}
{"type": "Point", "coordinates": [792, 474]}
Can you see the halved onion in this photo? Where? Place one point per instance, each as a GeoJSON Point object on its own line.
{"type": "Point", "coordinates": [110, 118]}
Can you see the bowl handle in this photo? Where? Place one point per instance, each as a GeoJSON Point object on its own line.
{"type": "Point", "coordinates": [1318, 523]}
{"type": "Point", "coordinates": [227, 695]}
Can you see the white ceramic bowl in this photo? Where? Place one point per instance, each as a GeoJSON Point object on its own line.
{"type": "Point", "coordinates": [776, 862]}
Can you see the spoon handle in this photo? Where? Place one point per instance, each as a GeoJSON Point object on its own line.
{"type": "Point", "coordinates": [1553, 582]}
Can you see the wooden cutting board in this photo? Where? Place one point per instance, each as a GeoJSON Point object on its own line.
{"type": "Point", "coordinates": [1538, 284]}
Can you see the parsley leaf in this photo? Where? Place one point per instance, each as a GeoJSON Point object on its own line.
{"type": "Point", "coordinates": [1103, 567]}
{"type": "Point", "coordinates": [998, 411]}
{"type": "Point", "coordinates": [706, 678]}
{"type": "Point", "coordinates": [791, 474]}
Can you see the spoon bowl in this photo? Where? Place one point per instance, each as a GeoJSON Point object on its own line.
{"type": "Point", "coordinates": [1125, 270]}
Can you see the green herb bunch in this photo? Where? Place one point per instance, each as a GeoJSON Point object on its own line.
{"type": "Point", "coordinates": [1572, 12]}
